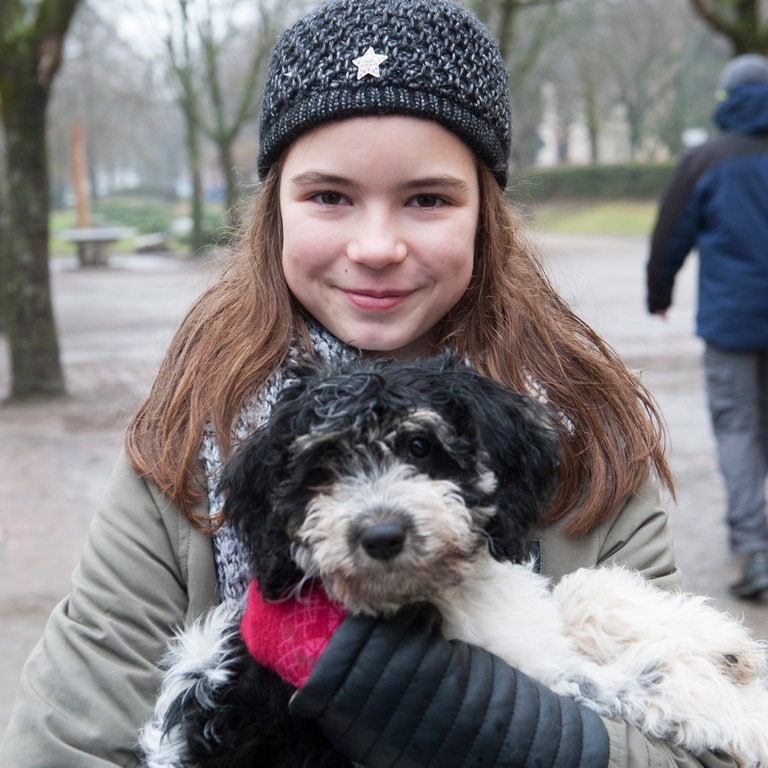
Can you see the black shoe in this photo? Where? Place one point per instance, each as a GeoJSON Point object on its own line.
{"type": "Point", "coordinates": [754, 577]}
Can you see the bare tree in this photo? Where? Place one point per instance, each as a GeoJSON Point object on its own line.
{"type": "Point", "coordinates": [648, 45]}
{"type": "Point", "coordinates": [227, 116]}
{"type": "Point", "coordinates": [742, 22]}
{"type": "Point", "coordinates": [31, 42]}
{"type": "Point", "coordinates": [503, 18]}
{"type": "Point", "coordinates": [627, 58]}
{"type": "Point", "coordinates": [693, 91]}
{"type": "Point", "coordinates": [524, 29]}
{"type": "Point", "coordinates": [577, 70]}
{"type": "Point", "coordinates": [219, 62]}
{"type": "Point", "coordinates": [182, 69]}
{"type": "Point", "coordinates": [108, 80]}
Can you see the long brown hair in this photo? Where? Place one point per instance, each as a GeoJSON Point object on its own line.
{"type": "Point", "coordinates": [511, 323]}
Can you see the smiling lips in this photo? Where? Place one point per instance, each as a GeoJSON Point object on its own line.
{"type": "Point", "coordinates": [380, 300]}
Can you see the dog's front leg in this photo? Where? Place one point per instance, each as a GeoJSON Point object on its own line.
{"type": "Point", "coordinates": [218, 707]}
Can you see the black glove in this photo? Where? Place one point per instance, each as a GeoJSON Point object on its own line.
{"type": "Point", "coordinates": [397, 694]}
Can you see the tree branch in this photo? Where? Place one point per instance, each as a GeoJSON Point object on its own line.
{"type": "Point", "coordinates": [51, 25]}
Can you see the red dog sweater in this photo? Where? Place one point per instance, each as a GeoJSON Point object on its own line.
{"type": "Point", "coordinates": [289, 636]}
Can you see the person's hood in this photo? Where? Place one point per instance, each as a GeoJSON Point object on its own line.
{"type": "Point", "coordinates": [745, 110]}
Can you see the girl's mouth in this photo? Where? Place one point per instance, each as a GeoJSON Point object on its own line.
{"type": "Point", "coordinates": [377, 300]}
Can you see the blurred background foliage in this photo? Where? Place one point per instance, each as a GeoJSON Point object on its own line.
{"type": "Point", "coordinates": [143, 114]}
{"type": "Point", "coordinates": [168, 91]}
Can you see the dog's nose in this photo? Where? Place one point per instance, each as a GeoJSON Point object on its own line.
{"type": "Point", "coordinates": [383, 541]}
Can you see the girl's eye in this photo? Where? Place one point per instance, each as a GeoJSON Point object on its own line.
{"type": "Point", "coordinates": [329, 198]}
{"type": "Point", "coordinates": [427, 201]}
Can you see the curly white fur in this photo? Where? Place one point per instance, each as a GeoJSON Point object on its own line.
{"type": "Point", "coordinates": [667, 662]}
{"type": "Point", "coordinates": [197, 663]}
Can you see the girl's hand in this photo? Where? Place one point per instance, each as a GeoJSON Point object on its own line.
{"type": "Point", "coordinates": [395, 693]}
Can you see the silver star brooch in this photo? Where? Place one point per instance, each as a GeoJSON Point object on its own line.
{"type": "Point", "coordinates": [368, 64]}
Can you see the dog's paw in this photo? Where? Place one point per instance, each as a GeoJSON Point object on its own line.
{"type": "Point", "coordinates": [584, 690]}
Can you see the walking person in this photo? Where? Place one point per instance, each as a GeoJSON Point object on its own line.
{"type": "Point", "coordinates": [717, 202]}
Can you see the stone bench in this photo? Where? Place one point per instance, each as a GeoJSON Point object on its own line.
{"type": "Point", "coordinates": [155, 242]}
{"type": "Point", "coordinates": [93, 242]}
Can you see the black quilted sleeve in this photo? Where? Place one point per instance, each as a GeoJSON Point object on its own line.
{"type": "Point", "coordinates": [396, 694]}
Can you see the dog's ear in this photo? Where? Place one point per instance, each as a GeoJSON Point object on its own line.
{"type": "Point", "coordinates": [248, 483]}
{"type": "Point", "coordinates": [523, 441]}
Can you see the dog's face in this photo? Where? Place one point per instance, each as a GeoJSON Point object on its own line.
{"type": "Point", "coordinates": [385, 479]}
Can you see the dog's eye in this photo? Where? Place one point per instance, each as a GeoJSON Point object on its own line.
{"type": "Point", "coordinates": [419, 447]}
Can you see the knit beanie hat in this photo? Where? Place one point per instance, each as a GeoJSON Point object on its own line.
{"type": "Point", "coordinates": [747, 68]}
{"type": "Point", "coordinates": [425, 58]}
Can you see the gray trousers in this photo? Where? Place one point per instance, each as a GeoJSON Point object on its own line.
{"type": "Point", "coordinates": [737, 389]}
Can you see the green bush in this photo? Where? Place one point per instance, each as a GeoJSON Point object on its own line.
{"type": "Point", "coordinates": [149, 215]}
{"type": "Point", "coordinates": [145, 215]}
{"type": "Point", "coordinates": [592, 182]}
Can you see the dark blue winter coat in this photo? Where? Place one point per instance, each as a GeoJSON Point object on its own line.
{"type": "Point", "coordinates": [717, 201]}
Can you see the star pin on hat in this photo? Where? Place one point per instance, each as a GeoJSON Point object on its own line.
{"type": "Point", "coordinates": [425, 58]}
{"type": "Point", "coordinates": [368, 64]}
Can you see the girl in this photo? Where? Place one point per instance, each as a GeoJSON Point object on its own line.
{"type": "Point", "coordinates": [381, 226]}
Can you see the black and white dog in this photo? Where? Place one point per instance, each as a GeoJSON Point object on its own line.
{"type": "Point", "coordinates": [393, 483]}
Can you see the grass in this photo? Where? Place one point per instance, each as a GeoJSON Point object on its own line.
{"type": "Point", "coordinates": [617, 217]}
{"type": "Point", "coordinates": [60, 220]}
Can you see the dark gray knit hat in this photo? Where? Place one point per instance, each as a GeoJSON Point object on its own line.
{"type": "Point", "coordinates": [426, 58]}
{"type": "Point", "coordinates": [747, 68]}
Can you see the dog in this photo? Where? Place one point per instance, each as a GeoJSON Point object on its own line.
{"type": "Point", "coordinates": [394, 483]}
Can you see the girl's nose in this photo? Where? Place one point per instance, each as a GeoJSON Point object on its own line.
{"type": "Point", "coordinates": [376, 244]}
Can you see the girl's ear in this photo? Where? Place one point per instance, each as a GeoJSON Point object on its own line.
{"type": "Point", "coordinates": [248, 483]}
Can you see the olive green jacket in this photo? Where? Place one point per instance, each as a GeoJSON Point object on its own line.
{"type": "Point", "coordinates": [91, 681]}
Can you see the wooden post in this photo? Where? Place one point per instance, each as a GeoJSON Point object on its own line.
{"type": "Point", "coordinates": [83, 215]}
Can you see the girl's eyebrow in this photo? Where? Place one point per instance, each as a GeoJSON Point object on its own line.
{"type": "Point", "coordinates": [315, 178]}
{"type": "Point", "coordinates": [446, 182]}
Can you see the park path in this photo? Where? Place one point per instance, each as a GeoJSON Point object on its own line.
{"type": "Point", "coordinates": [114, 325]}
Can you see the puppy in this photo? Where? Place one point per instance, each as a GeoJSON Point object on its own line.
{"type": "Point", "coordinates": [394, 483]}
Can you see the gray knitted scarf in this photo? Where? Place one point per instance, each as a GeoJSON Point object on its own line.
{"type": "Point", "coordinates": [231, 560]}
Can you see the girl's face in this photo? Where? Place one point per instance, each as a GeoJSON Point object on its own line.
{"type": "Point", "coordinates": [379, 220]}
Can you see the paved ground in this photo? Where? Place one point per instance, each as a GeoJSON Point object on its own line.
{"type": "Point", "coordinates": [114, 324]}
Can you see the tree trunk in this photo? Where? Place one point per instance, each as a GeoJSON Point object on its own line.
{"type": "Point", "coordinates": [592, 119]}
{"type": "Point", "coordinates": [232, 180]}
{"type": "Point", "coordinates": [31, 42]}
{"type": "Point", "coordinates": [197, 236]}
{"type": "Point", "coordinates": [741, 21]}
{"type": "Point", "coordinates": [28, 312]}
